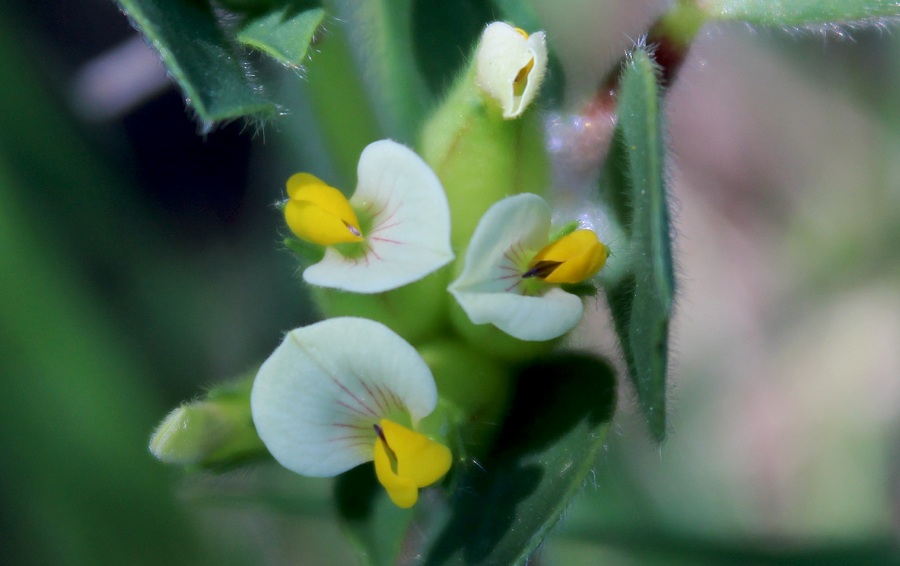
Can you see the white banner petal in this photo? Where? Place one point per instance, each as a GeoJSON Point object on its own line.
{"type": "Point", "coordinates": [488, 290]}
{"type": "Point", "coordinates": [410, 233]}
{"type": "Point", "coordinates": [316, 398]}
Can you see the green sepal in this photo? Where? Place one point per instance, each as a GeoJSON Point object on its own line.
{"type": "Point", "coordinates": [583, 289]}
{"type": "Point", "coordinates": [307, 252]}
{"type": "Point", "coordinates": [640, 287]}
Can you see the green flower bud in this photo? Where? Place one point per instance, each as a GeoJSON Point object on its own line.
{"type": "Point", "coordinates": [216, 431]}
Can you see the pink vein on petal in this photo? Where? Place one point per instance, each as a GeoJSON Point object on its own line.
{"type": "Point", "coordinates": [354, 410]}
{"type": "Point", "coordinates": [372, 395]}
{"type": "Point", "coordinates": [350, 437]}
{"type": "Point", "coordinates": [385, 398]}
{"type": "Point", "coordinates": [386, 227]}
{"type": "Point", "coordinates": [385, 240]}
{"type": "Point", "coordinates": [355, 398]}
{"type": "Point", "coordinates": [345, 425]}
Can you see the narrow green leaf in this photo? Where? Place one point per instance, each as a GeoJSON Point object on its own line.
{"type": "Point", "coordinates": [803, 12]}
{"type": "Point", "coordinates": [283, 34]}
{"type": "Point", "coordinates": [504, 506]}
{"type": "Point", "coordinates": [373, 523]}
{"type": "Point", "coordinates": [200, 58]}
{"type": "Point", "coordinates": [380, 34]}
{"type": "Point", "coordinates": [635, 185]}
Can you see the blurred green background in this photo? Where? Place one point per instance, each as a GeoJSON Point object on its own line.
{"type": "Point", "coordinates": [141, 263]}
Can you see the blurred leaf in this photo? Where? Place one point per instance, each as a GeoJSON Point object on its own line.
{"type": "Point", "coordinates": [444, 34]}
{"type": "Point", "coordinates": [283, 34]}
{"type": "Point", "coordinates": [658, 546]}
{"type": "Point", "coordinates": [200, 58]}
{"type": "Point", "coordinates": [380, 33]}
{"type": "Point", "coordinates": [269, 486]}
{"type": "Point", "coordinates": [374, 524]}
{"type": "Point", "coordinates": [802, 12]}
{"type": "Point", "coordinates": [74, 418]}
{"type": "Point", "coordinates": [343, 121]}
{"type": "Point", "coordinates": [503, 508]}
{"type": "Point", "coordinates": [75, 401]}
{"type": "Point", "coordinates": [641, 297]}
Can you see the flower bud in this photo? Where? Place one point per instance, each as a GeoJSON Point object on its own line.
{"type": "Point", "coordinates": [478, 152]}
{"type": "Point", "coordinates": [510, 66]}
{"type": "Point", "coordinates": [216, 431]}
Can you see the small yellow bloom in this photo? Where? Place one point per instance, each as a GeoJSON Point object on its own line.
{"type": "Point", "coordinates": [330, 398]}
{"type": "Point", "coordinates": [571, 259]}
{"type": "Point", "coordinates": [394, 230]}
{"type": "Point", "coordinates": [406, 460]}
{"type": "Point", "coordinates": [512, 278]}
{"type": "Point", "coordinates": [319, 213]}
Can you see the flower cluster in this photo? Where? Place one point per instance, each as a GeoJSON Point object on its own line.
{"type": "Point", "coordinates": [349, 390]}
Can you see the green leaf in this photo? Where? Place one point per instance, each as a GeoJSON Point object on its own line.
{"type": "Point", "coordinates": [504, 506]}
{"type": "Point", "coordinates": [803, 12]}
{"type": "Point", "coordinates": [283, 34]}
{"type": "Point", "coordinates": [380, 33]}
{"type": "Point", "coordinates": [200, 58]}
{"type": "Point", "coordinates": [373, 523]}
{"type": "Point", "coordinates": [634, 184]}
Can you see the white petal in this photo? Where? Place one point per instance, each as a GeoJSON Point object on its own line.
{"type": "Point", "coordinates": [410, 237]}
{"type": "Point", "coordinates": [486, 288]}
{"type": "Point", "coordinates": [502, 53]}
{"type": "Point", "coordinates": [526, 318]}
{"type": "Point", "coordinates": [315, 399]}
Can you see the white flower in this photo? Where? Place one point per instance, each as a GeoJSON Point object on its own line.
{"type": "Point", "coordinates": [394, 230]}
{"type": "Point", "coordinates": [510, 66]}
{"type": "Point", "coordinates": [346, 391]}
{"type": "Point", "coordinates": [512, 271]}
